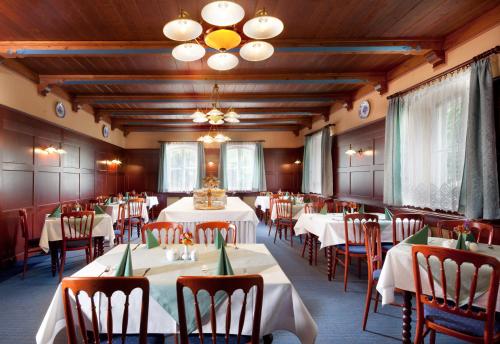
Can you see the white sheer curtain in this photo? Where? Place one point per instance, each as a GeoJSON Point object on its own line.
{"type": "Point", "coordinates": [240, 166]}
{"type": "Point", "coordinates": [433, 129]}
{"type": "Point", "coordinates": [181, 166]}
{"type": "Point", "coordinates": [314, 163]}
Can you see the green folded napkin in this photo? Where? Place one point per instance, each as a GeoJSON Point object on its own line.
{"type": "Point", "coordinates": [127, 194]}
{"type": "Point", "coordinates": [362, 209]}
{"type": "Point", "coordinates": [219, 240]}
{"type": "Point", "coordinates": [151, 241]}
{"type": "Point", "coordinates": [419, 238]}
{"type": "Point", "coordinates": [388, 214]}
{"type": "Point", "coordinates": [223, 266]}
{"type": "Point", "coordinates": [324, 210]}
{"type": "Point", "coordinates": [98, 210]}
{"type": "Point", "coordinates": [124, 269]}
{"type": "Point", "coordinates": [344, 211]}
{"type": "Point", "coordinates": [56, 212]}
{"type": "Point", "coordinates": [109, 201]}
{"type": "Point", "coordinates": [461, 242]}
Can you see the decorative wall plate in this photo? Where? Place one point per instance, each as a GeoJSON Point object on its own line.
{"type": "Point", "coordinates": [364, 109]}
{"type": "Point", "coordinates": [105, 131]}
{"type": "Point", "coordinates": [60, 110]}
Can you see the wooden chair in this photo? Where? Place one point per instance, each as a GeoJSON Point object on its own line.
{"type": "Point", "coordinates": [120, 226]}
{"type": "Point", "coordinates": [410, 223]}
{"type": "Point", "coordinates": [269, 212]}
{"type": "Point", "coordinates": [228, 284]}
{"type": "Point", "coordinates": [91, 204]}
{"type": "Point", "coordinates": [311, 240]}
{"type": "Point", "coordinates": [444, 314]}
{"type": "Point", "coordinates": [284, 219]}
{"type": "Point", "coordinates": [76, 234]}
{"type": "Point", "coordinates": [106, 286]}
{"type": "Point", "coordinates": [31, 245]}
{"type": "Point", "coordinates": [211, 226]}
{"type": "Point", "coordinates": [340, 206]}
{"type": "Point", "coordinates": [169, 227]}
{"type": "Point", "coordinates": [134, 214]}
{"type": "Point", "coordinates": [67, 207]}
{"type": "Point", "coordinates": [354, 245]}
{"type": "Point", "coordinates": [373, 246]}
{"type": "Point", "coordinates": [480, 230]}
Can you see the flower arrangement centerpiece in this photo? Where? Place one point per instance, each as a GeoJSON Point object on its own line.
{"type": "Point", "coordinates": [210, 197]}
{"type": "Point", "coordinates": [186, 239]}
{"type": "Point", "coordinates": [463, 236]}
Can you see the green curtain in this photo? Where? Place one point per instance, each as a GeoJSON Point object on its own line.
{"type": "Point", "coordinates": [162, 169]}
{"type": "Point", "coordinates": [305, 165]}
{"type": "Point", "coordinates": [392, 163]}
{"type": "Point", "coordinates": [479, 196]}
{"type": "Point", "coordinates": [201, 165]}
{"type": "Point", "coordinates": [259, 180]}
{"type": "Point", "coordinates": [326, 163]}
{"type": "Point", "coordinates": [222, 166]}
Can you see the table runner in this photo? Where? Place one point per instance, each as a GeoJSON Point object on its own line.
{"type": "Point", "coordinates": [282, 307]}
{"type": "Point", "coordinates": [51, 231]}
{"type": "Point", "coordinates": [397, 272]}
{"type": "Point", "coordinates": [236, 212]}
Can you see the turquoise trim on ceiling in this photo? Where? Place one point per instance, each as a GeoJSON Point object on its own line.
{"type": "Point", "coordinates": [118, 114]}
{"type": "Point", "coordinates": [206, 82]}
{"type": "Point", "coordinates": [258, 100]}
{"type": "Point", "coordinates": [318, 49]}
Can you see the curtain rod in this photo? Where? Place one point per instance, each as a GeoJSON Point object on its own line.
{"type": "Point", "coordinates": [318, 130]}
{"type": "Point", "coordinates": [487, 53]}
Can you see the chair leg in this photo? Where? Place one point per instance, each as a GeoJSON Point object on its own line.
{"type": "Point", "coordinates": [377, 297]}
{"type": "Point", "coordinates": [304, 246]}
{"type": "Point", "coordinates": [368, 300]}
{"type": "Point", "coordinates": [276, 233]}
{"type": "Point", "coordinates": [25, 262]}
{"type": "Point", "coordinates": [335, 261]}
{"type": "Point", "coordinates": [291, 235]}
{"type": "Point", "coordinates": [346, 270]}
{"type": "Point", "coordinates": [432, 337]}
{"type": "Point", "coordinates": [270, 227]}
{"type": "Point", "coordinates": [315, 250]}
{"type": "Point", "coordinates": [359, 267]}
{"type": "Point", "coordinates": [419, 329]}
{"type": "Point", "coordinates": [61, 267]}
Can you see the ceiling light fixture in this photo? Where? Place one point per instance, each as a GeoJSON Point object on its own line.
{"type": "Point", "coordinates": [223, 36]}
{"type": "Point", "coordinates": [215, 116]}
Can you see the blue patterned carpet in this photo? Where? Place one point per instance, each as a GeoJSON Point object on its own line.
{"type": "Point", "coordinates": [23, 303]}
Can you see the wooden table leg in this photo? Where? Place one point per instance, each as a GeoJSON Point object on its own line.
{"type": "Point", "coordinates": [406, 334]}
{"type": "Point", "coordinates": [54, 256]}
{"type": "Point", "coordinates": [267, 339]}
{"type": "Point", "coordinates": [98, 247]}
{"type": "Point", "coordinates": [329, 255]}
{"type": "Point", "coordinates": [310, 243]}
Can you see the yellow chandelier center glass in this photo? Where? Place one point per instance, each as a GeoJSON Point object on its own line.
{"type": "Point", "coordinates": [223, 39]}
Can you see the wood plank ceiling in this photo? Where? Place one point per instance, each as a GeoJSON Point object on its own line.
{"type": "Point", "coordinates": [112, 55]}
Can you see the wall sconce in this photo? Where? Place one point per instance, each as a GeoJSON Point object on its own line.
{"type": "Point", "coordinates": [116, 162]}
{"type": "Point", "coordinates": [50, 150]}
{"type": "Point", "coordinates": [297, 162]}
{"type": "Point", "coordinates": [351, 151]}
{"type": "Point", "coordinates": [211, 163]}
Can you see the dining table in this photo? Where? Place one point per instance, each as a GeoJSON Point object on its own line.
{"type": "Point", "coordinates": [236, 211]}
{"type": "Point", "coordinates": [151, 201]}
{"type": "Point", "coordinates": [51, 236]}
{"type": "Point", "coordinates": [397, 274]}
{"type": "Point", "coordinates": [282, 309]}
{"type": "Point", "coordinates": [262, 201]}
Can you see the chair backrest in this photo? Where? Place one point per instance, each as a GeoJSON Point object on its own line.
{"type": "Point", "coordinates": [314, 207]}
{"type": "Point", "coordinates": [283, 209]}
{"type": "Point", "coordinates": [449, 226]}
{"type": "Point", "coordinates": [122, 215]}
{"type": "Point", "coordinates": [263, 193]}
{"type": "Point", "coordinates": [67, 207]}
{"type": "Point", "coordinates": [91, 204]}
{"type": "Point", "coordinates": [409, 223]}
{"type": "Point", "coordinates": [211, 226]}
{"type": "Point", "coordinates": [353, 231]}
{"type": "Point", "coordinates": [212, 285]}
{"type": "Point", "coordinates": [373, 245]}
{"type": "Point", "coordinates": [77, 225]}
{"type": "Point", "coordinates": [340, 206]}
{"type": "Point", "coordinates": [172, 231]}
{"type": "Point", "coordinates": [23, 222]}
{"type": "Point", "coordinates": [451, 303]}
{"type": "Point", "coordinates": [135, 207]}
{"type": "Point", "coordinates": [104, 285]}
{"type": "Point", "coordinates": [482, 230]}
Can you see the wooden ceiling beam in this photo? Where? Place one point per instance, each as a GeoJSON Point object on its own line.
{"type": "Point", "coordinates": [405, 46]}
{"type": "Point", "coordinates": [204, 128]}
{"type": "Point", "coordinates": [96, 99]}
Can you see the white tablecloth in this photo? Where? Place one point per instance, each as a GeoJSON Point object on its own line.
{"type": "Point", "coordinates": [51, 230]}
{"type": "Point", "coordinates": [297, 211]}
{"type": "Point", "coordinates": [263, 202]}
{"type": "Point", "coordinates": [397, 272]}
{"type": "Point", "coordinates": [112, 210]}
{"type": "Point", "coordinates": [282, 309]}
{"type": "Point", "coordinates": [151, 201]}
{"type": "Point", "coordinates": [330, 228]}
{"type": "Point", "coordinates": [236, 212]}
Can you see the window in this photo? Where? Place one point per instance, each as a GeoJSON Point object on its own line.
{"type": "Point", "coordinates": [313, 162]}
{"type": "Point", "coordinates": [181, 162]}
{"type": "Point", "coordinates": [433, 128]}
{"type": "Point", "coordinates": [240, 166]}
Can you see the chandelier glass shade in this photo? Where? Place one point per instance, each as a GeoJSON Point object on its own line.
{"type": "Point", "coordinates": [215, 116]}
{"type": "Point", "coordinates": [256, 51]}
{"type": "Point", "coordinates": [183, 28]}
{"type": "Point", "coordinates": [222, 36]}
{"type": "Point", "coordinates": [263, 26]}
{"type": "Point", "coordinates": [222, 13]}
{"type": "Point", "coordinates": [188, 52]}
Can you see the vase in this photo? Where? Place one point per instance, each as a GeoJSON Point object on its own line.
{"type": "Point", "coordinates": [185, 254]}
